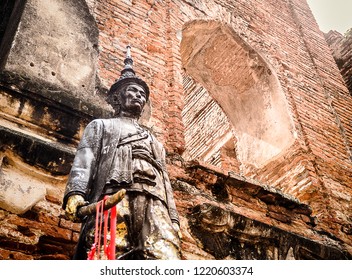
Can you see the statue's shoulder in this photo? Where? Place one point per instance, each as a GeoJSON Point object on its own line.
{"type": "Point", "coordinates": [103, 123]}
{"type": "Point", "coordinates": [99, 130]}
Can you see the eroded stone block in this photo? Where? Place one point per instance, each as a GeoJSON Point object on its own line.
{"type": "Point", "coordinates": [18, 191]}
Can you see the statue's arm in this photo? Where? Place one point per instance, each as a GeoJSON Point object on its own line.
{"type": "Point", "coordinates": [159, 153]}
{"type": "Point", "coordinates": [169, 192]}
{"type": "Point", "coordinates": [83, 168]}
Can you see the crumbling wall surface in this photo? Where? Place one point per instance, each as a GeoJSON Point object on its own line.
{"type": "Point", "coordinates": [229, 217]}
{"type": "Point", "coordinates": [54, 51]}
{"type": "Point", "coordinates": [245, 95]}
{"type": "Point", "coordinates": [340, 46]}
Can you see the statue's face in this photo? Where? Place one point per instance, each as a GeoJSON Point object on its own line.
{"type": "Point", "coordinates": [133, 99]}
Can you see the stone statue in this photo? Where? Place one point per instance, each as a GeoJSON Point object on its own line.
{"type": "Point", "coordinates": [116, 154]}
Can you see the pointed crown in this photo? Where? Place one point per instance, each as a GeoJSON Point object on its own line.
{"type": "Point", "coordinates": [128, 75]}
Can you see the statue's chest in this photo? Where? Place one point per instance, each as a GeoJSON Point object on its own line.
{"type": "Point", "coordinates": [130, 130]}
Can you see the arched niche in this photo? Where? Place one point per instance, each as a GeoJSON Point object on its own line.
{"type": "Point", "coordinates": [232, 94]}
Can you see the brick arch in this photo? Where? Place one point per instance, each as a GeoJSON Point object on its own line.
{"type": "Point", "coordinates": [232, 95]}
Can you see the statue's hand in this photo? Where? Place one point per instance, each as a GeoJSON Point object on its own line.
{"type": "Point", "coordinates": [73, 202]}
{"type": "Point", "coordinates": [177, 229]}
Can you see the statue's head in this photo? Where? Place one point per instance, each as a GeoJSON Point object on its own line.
{"type": "Point", "coordinates": [129, 99]}
{"type": "Point", "coordinates": [127, 85]}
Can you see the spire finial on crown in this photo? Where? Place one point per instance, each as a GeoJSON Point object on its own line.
{"type": "Point", "coordinates": [128, 69]}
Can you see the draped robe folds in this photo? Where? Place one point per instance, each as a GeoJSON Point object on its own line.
{"type": "Point", "coordinates": [104, 162]}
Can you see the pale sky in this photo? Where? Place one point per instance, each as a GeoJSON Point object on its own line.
{"type": "Point", "coordinates": [332, 14]}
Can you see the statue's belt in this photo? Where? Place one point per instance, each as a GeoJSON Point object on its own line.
{"type": "Point", "coordinates": [145, 155]}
